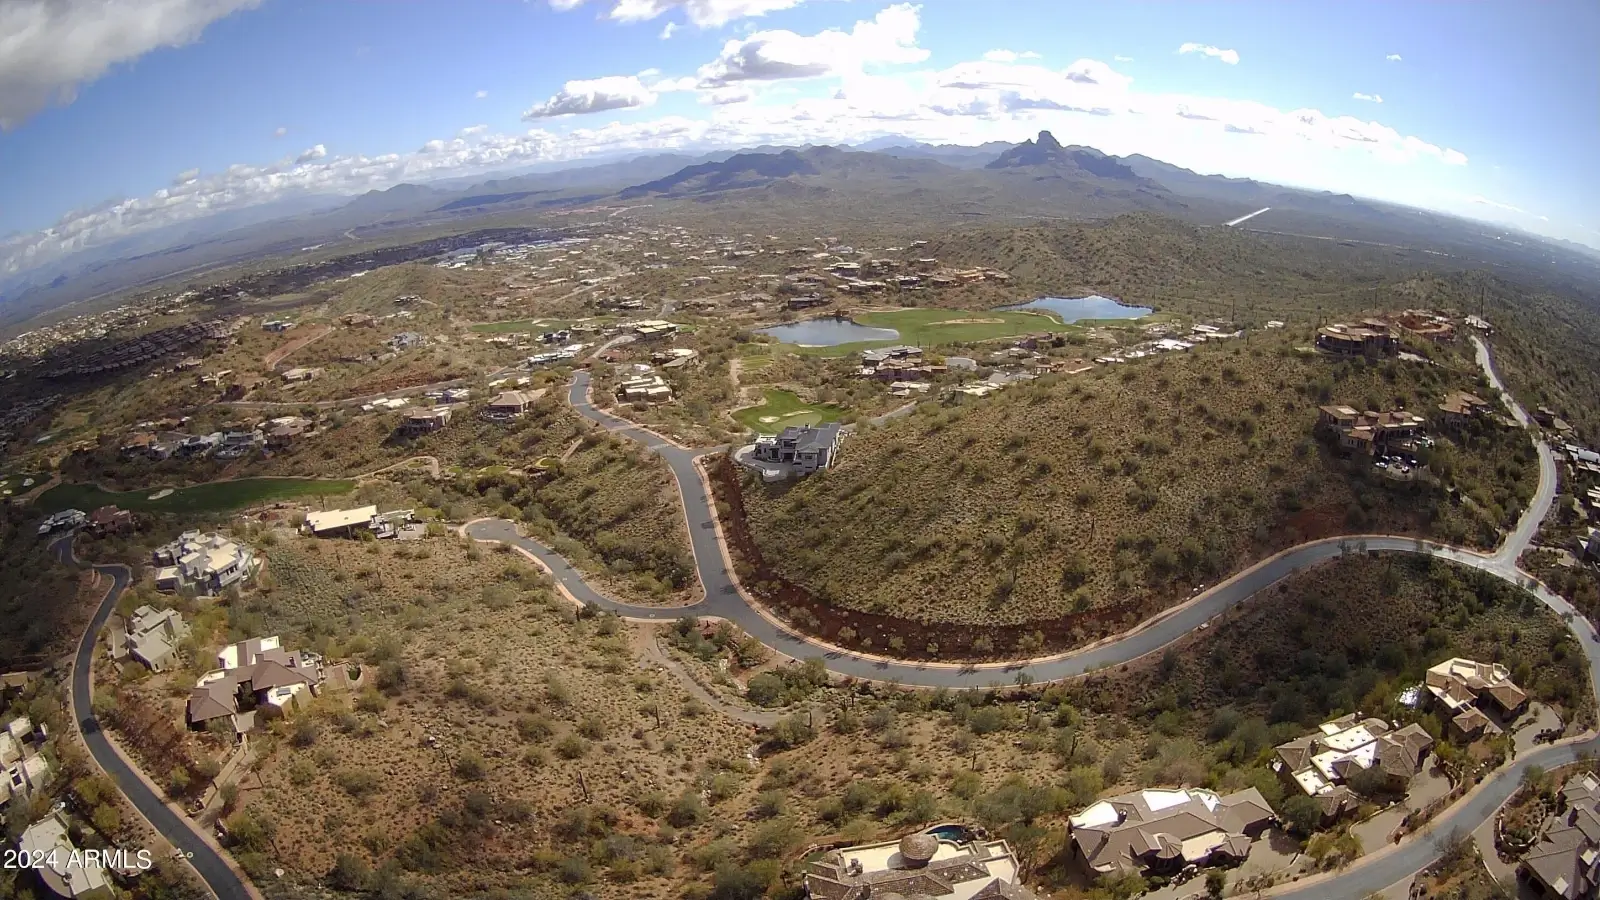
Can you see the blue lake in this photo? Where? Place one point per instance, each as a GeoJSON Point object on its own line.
{"type": "Point", "coordinates": [1076, 309]}
{"type": "Point", "coordinates": [828, 333]}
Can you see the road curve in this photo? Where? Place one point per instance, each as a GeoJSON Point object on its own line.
{"type": "Point", "coordinates": [207, 862]}
{"type": "Point", "coordinates": [1375, 872]}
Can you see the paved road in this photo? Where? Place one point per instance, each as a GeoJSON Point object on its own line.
{"type": "Point", "coordinates": [213, 870]}
{"type": "Point", "coordinates": [1374, 873]}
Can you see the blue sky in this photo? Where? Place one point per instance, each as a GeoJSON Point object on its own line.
{"type": "Point", "coordinates": [1489, 111]}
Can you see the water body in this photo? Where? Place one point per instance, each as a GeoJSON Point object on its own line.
{"type": "Point", "coordinates": [828, 333]}
{"type": "Point", "coordinates": [1077, 309]}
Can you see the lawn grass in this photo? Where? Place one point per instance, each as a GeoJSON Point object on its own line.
{"type": "Point", "coordinates": [937, 327]}
{"type": "Point", "coordinates": [211, 497]}
{"type": "Point", "coordinates": [784, 408]}
{"type": "Point", "coordinates": [12, 484]}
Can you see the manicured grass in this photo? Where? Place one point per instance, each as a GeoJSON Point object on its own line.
{"type": "Point", "coordinates": [11, 485]}
{"type": "Point", "coordinates": [213, 497]}
{"type": "Point", "coordinates": [935, 327]}
{"type": "Point", "coordinates": [782, 409]}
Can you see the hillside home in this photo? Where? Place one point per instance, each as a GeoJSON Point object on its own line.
{"type": "Point", "coordinates": [24, 771]}
{"type": "Point", "coordinates": [806, 301]}
{"type": "Point", "coordinates": [918, 865]}
{"type": "Point", "coordinates": [136, 445]}
{"type": "Point", "coordinates": [508, 405]}
{"type": "Point", "coordinates": [1161, 831]}
{"type": "Point", "coordinates": [1460, 408]}
{"type": "Point", "coordinates": [806, 448]}
{"type": "Point", "coordinates": [206, 563]}
{"type": "Point", "coordinates": [1469, 691]}
{"type": "Point", "coordinates": [240, 443]}
{"type": "Point", "coordinates": [300, 373]}
{"type": "Point", "coordinates": [654, 329]}
{"type": "Point", "coordinates": [1565, 862]}
{"type": "Point", "coordinates": [879, 355]}
{"type": "Point", "coordinates": [64, 870]}
{"type": "Point", "coordinates": [108, 520]}
{"type": "Point", "coordinates": [1366, 339]}
{"type": "Point", "coordinates": [423, 420]}
{"type": "Point", "coordinates": [674, 357]}
{"type": "Point", "coordinates": [284, 432]}
{"type": "Point", "coordinates": [1318, 764]}
{"type": "Point", "coordinates": [645, 388]}
{"type": "Point", "coordinates": [1424, 325]}
{"type": "Point", "coordinates": [251, 674]}
{"type": "Point", "coordinates": [65, 520]}
{"type": "Point", "coordinates": [276, 325]}
{"type": "Point", "coordinates": [1368, 432]}
{"type": "Point", "coordinates": [152, 637]}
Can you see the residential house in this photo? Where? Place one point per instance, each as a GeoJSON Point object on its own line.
{"type": "Point", "coordinates": [879, 355]}
{"type": "Point", "coordinates": [299, 373]}
{"type": "Point", "coordinates": [63, 868]}
{"type": "Point", "coordinates": [65, 520]}
{"type": "Point", "coordinates": [340, 522]}
{"type": "Point", "coordinates": [1367, 339]}
{"type": "Point", "coordinates": [136, 445]}
{"type": "Point", "coordinates": [199, 445]}
{"type": "Point", "coordinates": [1466, 690]}
{"type": "Point", "coordinates": [276, 325]}
{"type": "Point", "coordinates": [285, 431]}
{"type": "Point", "coordinates": [207, 563]}
{"type": "Point", "coordinates": [1426, 326]}
{"type": "Point", "coordinates": [918, 865]}
{"type": "Point", "coordinates": [239, 443]}
{"type": "Point", "coordinates": [110, 520]}
{"type": "Point", "coordinates": [1162, 831]}
{"type": "Point", "coordinates": [654, 329]}
{"type": "Point", "coordinates": [1320, 763]}
{"type": "Point", "coordinates": [424, 420]}
{"type": "Point", "coordinates": [807, 448]}
{"type": "Point", "coordinates": [249, 675]}
{"type": "Point", "coordinates": [674, 357]}
{"type": "Point", "coordinates": [1461, 407]}
{"type": "Point", "coordinates": [645, 388]}
{"type": "Point", "coordinates": [152, 637]}
{"type": "Point", "coordinates": [807, 301]}
{"type": "Point", "coordinates": [508, 405]}
{"type": "Point", "coordinates": [406, 340]}
{"type": "Point", "coordinates": [24, 771]}
{"type": "Point", "coordinates": [1565, 861]}
{"type": "Point", "coordinates": [1369, 432]}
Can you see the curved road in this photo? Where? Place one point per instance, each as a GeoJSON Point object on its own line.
{"type": "Point", "coordinates": [1375, 872]}
{"type": "Point", "coordinates": [221, 879]}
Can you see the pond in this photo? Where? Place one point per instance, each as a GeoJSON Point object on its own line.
{"type": "Point", "coordinates": [828, 333]}
{"type": "Point", "coordinates": [1077, 309]}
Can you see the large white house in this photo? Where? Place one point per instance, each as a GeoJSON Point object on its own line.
{"type": "Point", "coordinates": [207, 563]}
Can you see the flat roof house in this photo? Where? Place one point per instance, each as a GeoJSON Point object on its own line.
{"type": "Point", "coordinates": [23, 770]}
{"type": "Point", "coordinates": [206, 562]}
{"type": "Point", "coordinates": [153, 636]}
{"type": "Point", "coordinates": [650, 388]}
{"type": "Point", "coordinates": [1318, 764]}
{"type": "Point", "coordinates": [423, 420]}
{"type": "Point", "coordinates": [64, 870]}
{"type": "Point", "coordinates": [1368, 432]}
{"type": "Point", "coordinates": [918, 865]}
{"type": "Point", "coordinates": [252, 673]}
{"type": "Point", "coordinates": [1164, 830]}
{"type": "Point", "coordinates": [808, 448]}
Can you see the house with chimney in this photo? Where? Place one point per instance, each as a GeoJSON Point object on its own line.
{"type": "Point", "coordinates": [924, 865]}
{"type": "Point", "coordinates": [151, 636]}
{"type": "Point", "coordinates": [508, 405]}
{"type": "Point", "coordinates": [1460, 408]}
{"type": "Point", "coordinates": [1161, 831]}
{"type": "Point", "coordinates": [1565, 860]}
{"type": "Point", "coordinates": [1319, 764]}
{"type": "Point", "coordinates": [799, 449]}
{"type": "Point", "coordinates": [1370, 432]}
{"type": "Point", "coordinates": [1475, 697]}
{"type": "Point", "coordinates": [420, 420]}
{"type": "Point", "coordinates": [251, 675]}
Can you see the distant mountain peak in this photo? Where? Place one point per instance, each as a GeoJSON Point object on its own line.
{"type": "Point", "coordinates": [1047, 141]}
{"type": "Point", "coordinates": [1045, 150]}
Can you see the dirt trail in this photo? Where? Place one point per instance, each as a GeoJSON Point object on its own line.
{"type": "Point", "coordinates": [272, 359]}
{"type": "Point", "coordinates": [651, 653]}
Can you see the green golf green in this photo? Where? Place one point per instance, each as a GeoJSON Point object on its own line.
{"type": "Point", "coordinates": [784, 408]}
{"type": "Point", "coordinates": [215, 496]}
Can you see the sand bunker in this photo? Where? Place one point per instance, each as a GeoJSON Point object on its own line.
{"type": "Point", "coordinates": [970, 322]}
{"type": "Point", "coordinates": [164, 492]}
{"type": "Point", "coordinates": [767, 420]}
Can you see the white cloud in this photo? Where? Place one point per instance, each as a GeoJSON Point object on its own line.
{"type": "Point", "coordinates": [1088, 102]}
{"type": "Point", "coordinates": [1009, 56]}
{"type": "Point", "coordinates": [1370, 98]}
{"type": "Point", "coordinates": [280, 131]}
{"type": "Point", "coordinates": [890, 38]}
{"type": "Point", "coordinates": [49, 48]}
{"type": "Point", "coordinates": [480, 95]}
{"type": "Point", "coordinates": [668, 29]}
{"type": "Point", "coordinates": [594, 95]}
{"type": "Point", "coordinates": [1393, 57]}
{"type": "Point", "coordinates": [471, 130]}
{"type": "Point", "coordinates": [700, 13]}
{"type": "Point", "coordinates": [1231, 57]}
{"type": "Point", "coordinates": [1123, 59]}
{"type": "Point", "coordinates": [186, 176]}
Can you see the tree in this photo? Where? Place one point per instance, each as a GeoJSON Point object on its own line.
{"type": "Point", "coordinates": [1216, 883]}
{"type": "Point", "coordinates": [1300, 813]}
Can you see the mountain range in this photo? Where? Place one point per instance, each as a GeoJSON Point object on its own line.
{"type": "Point", "coordinates": [894, 177]}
